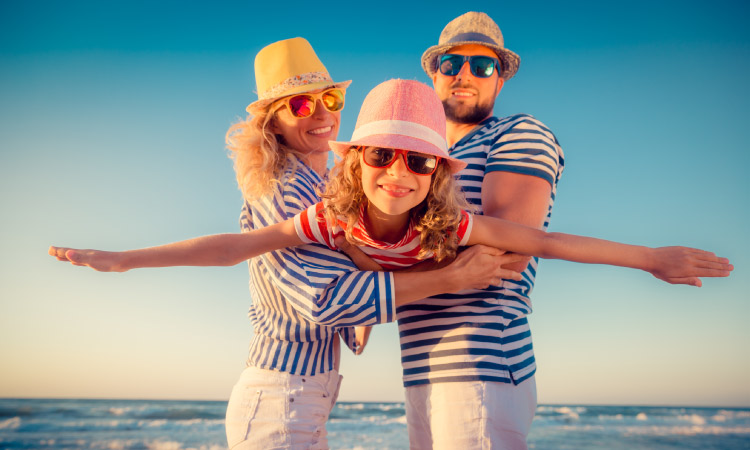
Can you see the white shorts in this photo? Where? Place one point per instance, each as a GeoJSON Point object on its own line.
{"type": "Point", "coordinates": [470, 415]}
{"type": "Point", "coordinates": [273, 410]}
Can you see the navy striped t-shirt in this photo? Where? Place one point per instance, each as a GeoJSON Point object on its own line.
{"type": "Point", "coordinates": [482, 334]}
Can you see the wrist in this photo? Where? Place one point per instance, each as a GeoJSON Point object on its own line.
{"type": "Point", "coordinates": [447, 278]}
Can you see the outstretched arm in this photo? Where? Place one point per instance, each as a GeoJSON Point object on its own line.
{"type": "Point", "coordinates": [676, 265]}
{"type": "Point", "coordinates": [213, 250]}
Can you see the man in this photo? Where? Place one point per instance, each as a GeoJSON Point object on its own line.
{"type": "Point", "coordinates": [468, 359]}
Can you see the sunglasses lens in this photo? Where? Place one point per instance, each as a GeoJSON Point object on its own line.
{"type": "Point", "coordinates": [482, 66]}
{"type": "Point", "coordinates": [379, 157]}
{"type": "Point", "coordinates": [302, 105]}
{"type": "Point", "coordinates": [450, 64]}
{"type": "Point", "coordinates": [421, 163]}
{"type": "Point", "coordinates": [333, 100]}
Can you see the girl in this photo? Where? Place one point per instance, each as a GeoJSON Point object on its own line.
{"type": "Point", "coordinates": [393, 194]}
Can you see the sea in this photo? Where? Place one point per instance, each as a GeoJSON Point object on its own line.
{"type": "Point", "coordinates": [181, 425]}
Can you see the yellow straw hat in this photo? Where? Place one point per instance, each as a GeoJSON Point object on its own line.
{"type": "Point", "coordinates": [286, 68]}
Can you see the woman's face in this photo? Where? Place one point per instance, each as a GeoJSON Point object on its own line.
{"type": "Point", "coordinates": [308, 135]}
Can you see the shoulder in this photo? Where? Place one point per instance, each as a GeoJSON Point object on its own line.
{"type": "Point", "coordinates": [522, 123]}
{"type": "Point", "coordinates": [295, 191]}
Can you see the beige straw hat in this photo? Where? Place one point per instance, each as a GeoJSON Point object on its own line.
{"type": "Point", "coordinates": [286, 68]}
{"type": "Point", "coordinates": [472, 28]}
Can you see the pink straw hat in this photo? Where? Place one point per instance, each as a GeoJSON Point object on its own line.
{"type": "Point", "coordinates": [401, 114]}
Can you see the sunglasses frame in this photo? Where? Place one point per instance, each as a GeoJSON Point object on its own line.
{"type": "Point", "coordinates": [315, 97]}
{"type": "Point", "coordinates": [405, 154]}
{"type": "Point", "coordinates": [496, 67]}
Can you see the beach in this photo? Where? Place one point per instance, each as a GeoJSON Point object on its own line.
{"type": "Point", "coordinates": [182, 425]}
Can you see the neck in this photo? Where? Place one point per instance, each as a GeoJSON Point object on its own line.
{"type": "Point", "coordinates": [455, 131]}
{"type": "Point", "coordinates": [317, 162]}
{"type": "Point", "coordinates": [385, 227]}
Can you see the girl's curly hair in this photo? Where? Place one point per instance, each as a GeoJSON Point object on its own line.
{"type": "Point", "coordinates": [260, 156]}
{"type": "Point", "coordinates": [436, 218]}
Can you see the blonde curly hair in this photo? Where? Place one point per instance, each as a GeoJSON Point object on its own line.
{"type": "Point", "coordinates": [260, 156]}
{"type": "Point", "coordinates": [436, 218]}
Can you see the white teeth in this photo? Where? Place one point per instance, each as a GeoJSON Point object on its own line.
{"type": "Point", "coordinates": [320, 130]}
{"type": "Point", "coordinates": [395, 189]}
{"type": "Point", "coordinates": [463, 94]}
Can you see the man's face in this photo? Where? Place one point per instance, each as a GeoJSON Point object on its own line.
{"type": "Point", "coordinates": [467, 98]}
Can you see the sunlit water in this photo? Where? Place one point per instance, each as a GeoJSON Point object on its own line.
{"type": "Point", "coordinates": [180, 425]}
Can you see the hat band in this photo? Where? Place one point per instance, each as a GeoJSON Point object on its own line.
{"type": "Point", "coordinates": [295, 81]}
{"type": "Point", "coordinates": [402, 128]}
{"type": "Point", "coordinates": [478, 37]}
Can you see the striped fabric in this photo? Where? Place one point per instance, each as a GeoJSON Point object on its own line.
{"type": "Point", "coordinates": [304, 295]}
{"type": "Point", "coordinates": [482, 334]}
{"type": "Point", "coordinates": [312, 226]}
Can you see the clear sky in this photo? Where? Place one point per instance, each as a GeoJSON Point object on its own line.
{"type": "Point", "coordinates": [112, 123]}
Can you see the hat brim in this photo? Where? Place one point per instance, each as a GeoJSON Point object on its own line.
{"type": "Point", "coordinates": [259, 105]}
{"type": "Point", "coordinates": [397, 141]}
{"type": "Point", "coordinates": [510, 60]}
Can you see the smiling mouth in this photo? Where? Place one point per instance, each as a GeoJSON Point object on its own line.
{"type": "Point", "coordinates": [322, 130]}
{"type": "Point", "coordinates": [397, 191]}
{"type": "Point", "coordinates": [462, 94]}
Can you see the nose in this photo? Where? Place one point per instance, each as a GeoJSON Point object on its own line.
{"type": "Point", "coordinates": [398, 168]}
{"type": "Point", "coordinates": [465, 71]}
{"type": "Point", "coordinates": [320, 110]}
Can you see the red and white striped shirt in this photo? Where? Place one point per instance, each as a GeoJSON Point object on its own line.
{"type": "Point", "coordinates": [312, 227]}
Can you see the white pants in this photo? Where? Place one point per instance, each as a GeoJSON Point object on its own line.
{"type": "Point", "coordinates": [470, 415]}
{"type": "Point", "coordinates": [274, 410]}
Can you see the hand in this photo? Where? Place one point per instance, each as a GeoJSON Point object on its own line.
{"type": "Point", "coordinates": [358, 257]}
{"type": "Point", "coordinates": [480, 266]}
{"type": "Point", "coordinates": [683, 265]}
{"type": "Point", "coordinates": [361, 336]}
{"type": "Point", "coordinates": [96, 259]}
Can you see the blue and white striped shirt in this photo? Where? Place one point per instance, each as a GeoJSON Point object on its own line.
{"type": "Point", "coordinates": [303, 296]}
{"type": "Point", "coordinates": [483, 334]}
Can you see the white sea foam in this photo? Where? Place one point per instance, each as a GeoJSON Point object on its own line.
{"type": "Point", "coordinates": [693, 418]}
{"type": "Point", "coordinates": [118, 411]}
{"type": "Point", "coordinates": [10, 424]}
{"type": "Point", "coordinates": [641, 416]}
{"type": "Point", "coordinates": [164, 445]}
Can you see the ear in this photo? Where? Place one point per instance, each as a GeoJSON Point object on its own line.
{"type": "Point", "coordinates": [434, 78]}
{"type": "Point", "coordinates": [500, 83]}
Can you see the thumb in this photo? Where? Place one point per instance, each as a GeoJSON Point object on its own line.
{"type": "Point", "coordinates": [75, 257]}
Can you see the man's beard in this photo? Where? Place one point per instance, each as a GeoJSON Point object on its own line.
{"type": "Point", "coordinates": [464, 114]}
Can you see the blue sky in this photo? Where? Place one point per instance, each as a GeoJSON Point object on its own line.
{"type": "Point", "coordinates": [112, 123]}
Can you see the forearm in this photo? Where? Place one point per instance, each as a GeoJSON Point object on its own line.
{"type": "Point", "coordinates": [595, 251]}
{"type": "Point", "coordinates": [213, 250]}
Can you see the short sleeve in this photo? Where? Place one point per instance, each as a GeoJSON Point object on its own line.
{"type": "Point", "coordinates": [527, 147]}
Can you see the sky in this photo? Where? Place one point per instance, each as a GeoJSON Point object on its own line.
{"type": "Point", "coordinates": [112, 124]}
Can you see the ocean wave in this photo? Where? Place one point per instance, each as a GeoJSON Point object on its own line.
{"type": "Point", "coordinates": [10, 424]}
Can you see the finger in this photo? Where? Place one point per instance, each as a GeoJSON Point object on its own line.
{"type": "Point", "coordinates": [716, 264]}
{"type": "Point", "coordinates": [508, 274]}
{"type": "Point", "coordinates": [690, 281]}
{"type": "Point", "coordinates": [509, 258]}
{"type": "Point", "coordinates": [494, 251]}
{"type": "Point", "coordinates": [58, 252]}
{"type": "Point", "coordinates": [714, 273]}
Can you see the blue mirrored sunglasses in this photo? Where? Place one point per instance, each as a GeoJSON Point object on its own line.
{"type": "Point", "coordinates": [481, 66]}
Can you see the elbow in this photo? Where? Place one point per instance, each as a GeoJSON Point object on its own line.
{"type": "Point", "coordinates": [549, 243]}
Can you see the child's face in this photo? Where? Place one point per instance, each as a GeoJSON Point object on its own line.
{"type": "Point", "coordinates": [311, 134]}
{"type": "Point", "coordinates": [393, 190]}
